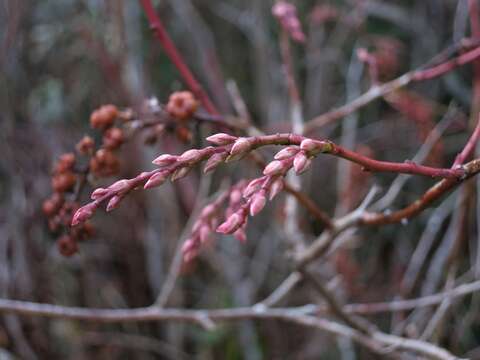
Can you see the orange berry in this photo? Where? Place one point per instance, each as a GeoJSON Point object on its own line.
{"type": "Point", "coordinates": [182, 105]}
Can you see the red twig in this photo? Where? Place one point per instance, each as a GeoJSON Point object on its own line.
{"type": "Point", "coordinates": [379, 91]}
{"type": "Point", "coordinates": [469, 148]}
{"type": "Point", "coordinates": [159, 30]}
{"type": "Point", "coordinates": [447, 66]}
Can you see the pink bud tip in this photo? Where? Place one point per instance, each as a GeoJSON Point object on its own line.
{"type": "Point", "coordinates": [241, 146]}
{"type": "Point", "coordinates": [276, 167]}
{"type": "Point", "coordinates": [155, 180]}
{"type": "Point", "coordinates": [98, 193]}
{"type": "Point", "coordinates": [301, 163]}
{"type": "Point", "coordinates": [83, 214]}
{"type": "Point", "coordinates": [310, 145]}
{"type": "Point", "coordinates": [114, 202]}
{"type": "Point", "coordinates": [191, 155]}
{"type": "Point", "coordinates": [276, 188]}
{"type": "Point", "coordinates": [221, 139]}
{"type": "Point", "coordinates": [286, 153]}
{"type": "Point", "coordinates": [253, 186]}
{"type": "Point", "coordinates": [258, 203]}
{"type": "Point", "coordinates": [165, 159]}
{"type": "Point", "coordinates": [231, 224]}
{"type": "Point", "coordinates": [214, 161]}
{"type": "Point", "coordinates": [205, 235]}
{"type": "Point", "coordinates": [188, 246]}
{"type": "Point", "coordinates": [208, 211]}
{"type": "Point", "coordinates": [235, 196]}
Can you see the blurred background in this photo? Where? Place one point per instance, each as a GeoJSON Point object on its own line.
{"type": "Point", "coordinates": [61, 60]}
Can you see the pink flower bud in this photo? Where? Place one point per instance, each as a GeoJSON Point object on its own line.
{"type": "Point", "coordinates": [180, 173]}
{"type": "Point", "coordinates": [231, 224]}
{"type": "Point", "coordinates": [119, 185]}
{"type": "Point", "coordinates": [114, 202]}
{"type": "Point", "coordinates": [205, 234]}
{"type": "Point", "coordinates": [214, 161]}
{"type": "Point", "coordinates": [276, 167]}
{"type": "Point", "coordinates": [258, 203]}
{"type": "Point", "coordinates": [310, 145]}
{"type": "Point", "coordinates": [253, 186]}
{"type": "Point", "coordinates": [191, 155]}
{"type": "Point", "coordinates": [84, 213]}
{"type": "Point", "coordinates": [155, 180]}
{"type": "Point", "coordinates": [188, 245]}
{"type": "Point", "coordinates": [240, 235]}
{"type": "Point", "coordinates": [239, 148]}
{"type": "Point", "coordinates": [235, 196]}
{"type": "Point", "coordinates": [276, 187]}
{"type": "Point", "coordinates": [301, 163]}
{"type": "Point", "coordinates": [189, 249]}
{"type": "Point", "coordinates": [221, 139]}
{"type": "Point", "coordinates": [165, 159]}
{"type": "Point", "coordinates": [98, 193]}
{"type": "Point", "coordinates": [286, 153]}
{"type": "Point", "coordinates": [208, 211]}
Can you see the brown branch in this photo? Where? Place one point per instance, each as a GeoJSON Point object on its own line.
{"type": "Point", "coordinates": [377, 341]}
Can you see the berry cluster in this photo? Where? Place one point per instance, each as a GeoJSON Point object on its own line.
{"type": "Point", "coordinates": [68, 177]}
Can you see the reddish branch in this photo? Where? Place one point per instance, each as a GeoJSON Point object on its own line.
{"type": "Point", "coordinates": [172, 52]}
{"type": "Point", "coordinates": [379, 91]}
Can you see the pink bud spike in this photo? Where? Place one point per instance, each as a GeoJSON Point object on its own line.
{"type": "Point", "coordinates": [165, 160]}
{"type": "Point", "coordinates": [221, 139]}
{"type": "Point", "coordinates": [156, 179]}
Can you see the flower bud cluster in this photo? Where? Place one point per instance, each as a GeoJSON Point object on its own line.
{"type": "Point", "coordinates": [244, 199]}
{"type": "Point", "coordinates": [203, 229]}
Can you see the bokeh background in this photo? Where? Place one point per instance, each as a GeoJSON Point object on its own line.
{"type": "Point", "coordinates": [60, 60]}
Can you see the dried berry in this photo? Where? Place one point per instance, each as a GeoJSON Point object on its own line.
{"type": "Point", "coordinates": [182, 105]}
{"type": "Point", "coordinates": [85, 146]}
